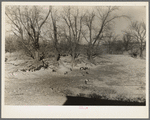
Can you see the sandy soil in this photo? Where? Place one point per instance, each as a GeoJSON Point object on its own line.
{"type": "Point", "coordinates": [116, 77]}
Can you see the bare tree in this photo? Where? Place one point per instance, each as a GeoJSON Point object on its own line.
{"type": "Point", "coordinates": [27, 21]}
{"type": "Point", "coordinates": [110, 39]}
{"type": "Point", "coordinates": [54, 18]}
{"type": "Point", "coordinates": [73, 20]}
{"type": "Point", "coordinates": [16, 27]}
{"type": "Point", "coordinates": [138, 31]}
{"type": "Point", "coordinates": [89, 19]}
{"type": "Point", "coordinates": [127, 41]}
{"type": "Point", "coordinates": [104, 20]}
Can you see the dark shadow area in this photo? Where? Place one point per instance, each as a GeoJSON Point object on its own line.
{"type": "Point", "coordinates": [92, 101]}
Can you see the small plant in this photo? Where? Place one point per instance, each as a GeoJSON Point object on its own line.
{"type": "Point", "coordinates": [95, 96]}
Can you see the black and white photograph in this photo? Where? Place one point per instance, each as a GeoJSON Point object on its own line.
{"type": "Point", "coordinates": [77, 55]}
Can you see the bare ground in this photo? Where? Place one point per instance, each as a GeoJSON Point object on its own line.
{"type": "Point", "coordinates": [116, 77]}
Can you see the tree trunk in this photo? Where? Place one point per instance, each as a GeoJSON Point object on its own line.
{"type": "Point", "coordinates": [90, 58]}
{"type": "Point", "coordinates": [141, 49]}
{"type": "Point", "coordinates": [36, 55]}
{"type": "Point", "coordinates": [37, 50]}
{"type": "Point", "coordinates": [37, 47]}
{"type": "Point", "coordinates": [73, 54]}
{"type": "Point", "coordinates": [73, 59]}
{"type": "Point", "coordinates": [36, 58]}
{"type": "Point", "coordinates": [57, 55]}
{"type": "Point", "coordinates": [141, 52]}
{"type": "Point", "coordinates": [89, 54]}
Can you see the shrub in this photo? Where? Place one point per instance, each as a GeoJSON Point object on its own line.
{"type": "Point", "coordinates": [12, 44]}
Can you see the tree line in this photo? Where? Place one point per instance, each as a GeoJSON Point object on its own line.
{"type": "Point", "coordinates": [64, 29]}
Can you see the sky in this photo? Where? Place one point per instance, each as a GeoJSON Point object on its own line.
{"type": "Point", "coordinates": [137, 13]}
